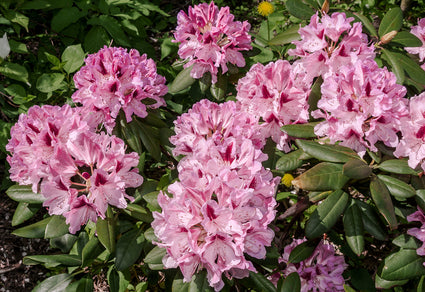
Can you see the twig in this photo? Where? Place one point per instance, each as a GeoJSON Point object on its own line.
{"type": "Point", "coordinates": [14, 267]}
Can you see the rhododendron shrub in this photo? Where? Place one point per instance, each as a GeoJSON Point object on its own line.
{"type": "Point", "coordinates": [222, 204]}
{"type": "Point", "coordinates": [210, 38]}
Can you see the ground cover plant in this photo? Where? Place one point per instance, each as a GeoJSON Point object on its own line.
{"type": "Point", "coordinates": [274, 146]}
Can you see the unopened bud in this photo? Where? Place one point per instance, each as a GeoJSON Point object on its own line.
{"type": "Point", "coordinates": [325, 7]}
{"type": "Point", "coordinates": [386, 38]}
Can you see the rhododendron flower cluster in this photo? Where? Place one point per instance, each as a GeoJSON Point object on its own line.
{"type": "Point", "coordinates": [81, 172]}
{"type": "Point", "coordinates": [209, 39]}
{"type": "Point", "coordinates": [412, 144]}
{"type": "Point", "coordinates": [329, 42]}
{"type": "Point", "coordinates": [115, 79]}
{"type": "Point", "coordinates": [278, 95]}
{"type": "Point", "coordinates": [419, 233]}
{"type": "Point", "coordinates": [322, 271]}
{"type": "Point", "coordinates": [222, 205]}
{"type": "Point", "coordinates": [419, 31]}
{"type": "Point", "coordinates": [362, 104]}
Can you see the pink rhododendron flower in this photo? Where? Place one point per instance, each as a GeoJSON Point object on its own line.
{"type": "Point", "coordinates": [322, 271]}
{"type": "Point", "coordinates": [276, 94]}
{"type": "Point", "coordinates": [329, 42]}
{"type": "Point", "coordinates": [115, 79]}
{"type": "Point", "coordinates": [221, 207]}
{"type": "Point", "coordinates": [412, 143]}
{"type": "Point", "coordinates": [419, 233]}
{"type": "Point", "coordinates": [209, 39]}
{"type": "Point", "coordinates": [362, 104]}
{"type": "Point", "coordinates": [419, 31]}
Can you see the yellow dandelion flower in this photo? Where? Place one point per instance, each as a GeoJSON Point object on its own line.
{"type": "Point", "coordinates": [265, 8]}
{"type": "Point", "coordinates": [287, 179]}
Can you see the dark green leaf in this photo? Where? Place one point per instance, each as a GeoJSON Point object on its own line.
{"type": "Point", "coordinates": [325, 152]}
{"type": "Point", "coordinates": [65, 17]}
{"type": "Point", "coordinates": [151, 199]}
{"type": "Point", "coordinates": [412, 69]}
{"type": "Point", "coordinates": [154, 258]}
{"type": "Point", "coordinates": [219, 89]}
{"type": "Point", "coordinates": [326, 214]}
{"type": "Point", "coordinates": [406, 241]}
{"type": "Point", "coordinates": [83, 285]}
{"type": "Point", "coordinates": [315, 95]}
{"type": "Point", "coordinates": [406, 39]}
{"type": "Point", "coordinates": [168, 47]}
{"type": "Point", "coordinates": [361, 280]}
{"type": "Point", "coordinates": [106, 231]}
{"type": "Point", "coordinates": [56, 227]}
{"type": "Point", "coordinates": [18, 47]}
{"type": "Point", "coordinates": [289, 35]}
{"type": "Point", "coordinates": [17, 92]}
{"type": "Point", "coordinates": [95, 39]}
{"type": "Point", "coordinates": [395, 65]}
{"type": "Point", "coordinates": [290, 161]}
{"type": "Point", "coordinates": [397, 166]}
{"type": "Point", "coordinates": [366, 23]}
{"type": "Point", "coordinates": [91, 251]}
{"type": "Point", "coordinates": [324, 176]}
{"type": "Point", "coordinates": [353, 228]}
{"type": "Point", "coordinates": [49, 82]}
{"type": "Point", "coordinates": [64, 243]}
{"type": "Point", "coordinates": [393, 20]}
{"type": "Point", "coordinates": [396, 187]}
{"type": "Point", "coordinates": [146, 134]}
{"type": "Point", "coordinates": [57, 283]}
{"type": "Point", "coordinates": [113, 27]}
{"type": "Point", "coordinates": [182, 81]}
{"type": "Point", "coordinates": [23, 212]}
{"type": "Point", "coordinates": [35, 230]}
{"type": "Point", "coordinates": [291, 283]}
{"type": "Point", "coordinates": [302, 251]}
{"type": "Point", "coordinates": [129, 248]}
{"type": "Point", "coordinates": [199, 282]}
{"type": "Point", "coordinates": [300, 130]}
{"type": "Point", "coordinates": [14, 71]}
{"type": "Point", "coordinates": [421, 285]}
{"type": "Point", "coordinates": [118, 280]}
{"type": "Point", "coordinates": [381, 198]}
{"type": "Point", "coordinates": [315, 197]}
{"type": "Point", "coordinates": [73, 57]}
{"type": "Point", "coordinates": [138, 212]}
{"type": "Point", "coordinates": [299, 9]}
{"type": "Point", "coordinates": [371, 222]}
{"type": "Point", "coordinates": [420, 198]}
{"type": "Point", "coordinates": [384, 284]}
{"type": "Point", "coordinates": [357, 169]}
{"type": "Point", "coordinates": [258, 282]}
{"type": "Point", "coordinates": [18, 18]}
{"type": "Point", "coordinates": [402, 265]}
{"type": "Point", "coordinates": [53, 260]}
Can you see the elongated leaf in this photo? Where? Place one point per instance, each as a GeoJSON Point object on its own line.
{"type": "Point", "coordinates": [64, 243]}
{"type": "Point", "coordinates": [315, 95]}
{"type": "Point", "coordinates": [324, 176]}
{"type": "Point", "coordinates": [302, 251]}
{"type": "Point", "coordinates": [56, 227]}
{"type": "Point", "coordinates": [23, 212]}
{"type": "Point", "coordinates": [420, 198]}
{"type": "Point", "coordinates": [219, 89]}
{"type": "Point", "coordinates": [35, 230]}
{"type": "Point", "coordinates": [91, 251]}
{"type": "Point", "coordinates": [146, 134]}
{"type": "Point", "coordinates": [299, 9]}
{"type": "Point", "coordinates": [129, 248]}
{"type": "Point", "coordinates": [397, 166]}
{"type": "Point", "coordinates": [331, 153]}
{"type": "Point", "coordinates": [14, 71]}
{"type": "Point", "coordinates": [406, 39]}
{"type": "Point", "coordinates": [182, 81]}
{"type": "Point", "coordinates": [83, 285]}
{"type": "Point", "coordinates": [289, 35]}
{"type": "Point", "coordinates": [353, 227]}
{"type": "Point", "coordinates": [366, 23]}
{"type": "Point", "coordinates": [395, 65]}
{"type": "Point", "coordinates": [56, 283]}
{"type": "Point", "coordinates": [326, 214]}
{"type": "Point", "coordinates": [49, 82]}
{"type": "Point", "coordinates": [73, 57]}
{"type": "Point", "coordinates": [371, 222]}
{"type": "Point", "coordinates": [199, 282]}
{"type": "Point", "coordinates": [361, 279]}
{"type": "Point", "coordinates": [412, 69]}
{"type": "Point", "coordinates": [106, 231]}
{"type": "Point", "coordinates": [421, 285]}
{"type": "Point", "coordinates": [290, 161]}
{"type": "Point", "coordinates": [382, 200]}
{"type": "Point", "coordinates": [384, 284]}
{"type": "Point", "coordinates": [356, 168]}
{"type": "Point", "coordinates": [300, 130]}
{"type": "Point", "coordinates": [402, 265]}
{"type": "Point", "coordinates": [154, 258]}
{"type": "Point", "coordinates": [118, 280]}
{"type": "Point", "coordinates": [396, 187]}
{"type": "Point", "coordinates": [292, 283]}
{"type": "Point", "coordinates": [113, 27]}
{"type": "Point", "coordinates": [406, 241]}
{"type": "Point", "coordinates": [393, 20]}
{"type": "Point", "coordinates": [138, 212]}
{"type": "Point", "coordinates": [258, 282]}
{"type": "Point", "coordinates": [56, 259]}
{"type": "Point", "coordinates": [65, 17]}
{"type": "Point", "coordinates": [95, 39]}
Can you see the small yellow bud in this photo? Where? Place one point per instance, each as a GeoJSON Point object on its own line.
{"type": "Point", "coordinates": [265, 8]}
{"type": "Point", "coordinates": [287, 179]}
{"type": "Point", "coordinates": [386, 38]}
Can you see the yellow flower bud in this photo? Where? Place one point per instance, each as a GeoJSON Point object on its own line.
{"type": "Point", "coordinates": [265, 8]}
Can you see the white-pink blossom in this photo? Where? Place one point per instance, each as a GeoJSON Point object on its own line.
{"type": "Point", "coordinates": [419, 233]}
{"type": "Point", "coordinates": [419, 31]}
{"type": "Point", "coordinates": [210, 38]}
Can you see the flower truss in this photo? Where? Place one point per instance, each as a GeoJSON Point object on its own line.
{"type": "Point", "coordinates": [419, 233]}
{"type": "Point", "coordinates": [329, 42]}
{"type": "Point", "coordinates": [115, 79]}
{"type": "Point", "coordinates": [278, 95]}
{"type": "Point", "coordinates": [224, 201]}
{"type": "Point", "coordinates": [362, 104]}
{"type": "Point", "coordinates": [81, 171]}
{"type": "Point", "coordinates": [419, 31]}
{"type": "Point", "coordinates": [322, 271]}
{"type": "Point", "coordinates": [209, 39]}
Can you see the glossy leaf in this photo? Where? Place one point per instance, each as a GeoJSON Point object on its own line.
{"type": "Point", "coordinates": [106, 231]}
{"type": "Point", "coordinates": [149, 140]}
{"type": "Point", "coordinates": [56, 283]}
{"type": "Point", "coordinates": [53, 260]}
{"type": "Point", "coordinates": [219, 89]}
{"type": "Point", "coordinates": [396, 66]}
{"type": "Point", "coordinates": [315, 95]}
{"type": "Point", "coordinates": [357, 169]}
{"type": "Point", "coordinates": [399, 166]}
{"type": "Point", "coordinates": [361, 279]}
{"type": "Point", "coordinates": [290, 161]}
{"type": "Point", "coordinates": [14, 71]}
{"type": "Point", "coordinates": [35, 230]}
{"type": "Point", "coordinates": [325, 152]}
{"type": "Point", "coordinates": [113, 27]}
{"type": "Point", "coordinates": [353, 228]}
{"type": "Point", "coordinates": [371, 222]}
{"type": "Point", "coordinates": [406, 39]}
{"type": "Point", "coordinates": [412, 69]}
{"type": "Point", "coordinates": [73, 57]}
{"type": "Point", "coordinates": [129, 248]}
{"type": "Point", "coordinates": [49, 82]}
{"type": "Point", "coordinates": [118, 280]}
{"type": "Point", "coordinates": [302, 251]}
{"type": "Point", "coordinates": [138, 212]}
{"type": "Point", "coordinates": [199, 282]}
{"type": "Point", "coordinates": [326, 214]}
{"type": "Point", "coordinates": [286, 37]}
{"type": "Point", "coordinates": [299, 9]}
{"type": "Point", "coordinates": [83, 285]}
{"type": "Point", "coordinates": [64, 242]}
{"type": "Point", "coordinates": [420, 198]}
{"type": "Point", "coordinates": [23, 212]}
{"type": "Point", "coordinates": [421, 285]}
{"type": "Point", "coordinates": [366, 23]}
{"type": "Point", "coordinates": [154, 258]}
{"type": "Point", "coordinates": [24, 194]}
{"type": "Point", "coordinates": [258, 282]}
{"type": "Point", "coordinates": [65, 17]}
{"type": "Point", "coordinates": [91, 251]}
{"type": "Point", "coordinates": [396, 187]}
{"type": "Point", "coordinates": [291, 283]}
{"type": "Point", "coordinates": [402, 265]}
{"type": "Point", "coordinates": [322, 177]}
{"type": "Point", "coordinates": [393, 20]}
{"type": "Point", "coordinates": [151, 199]}
{"type": "Point", "coordinates": [407, 242]}
{"type": "Point", "coordinates": [56, 227]}
{"type": "Point", "coordinates": [182, 81]}
{"type": "Point", "coordinates": [381, 198]}
{"type": "Point", "coordinates": [300, 130]}
{"type": "Point", "coordinates": [385, 284]}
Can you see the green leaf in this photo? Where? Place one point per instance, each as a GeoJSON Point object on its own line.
{"type": "Point", "coordinates": [289, 35]}
{"type": "Point", "coordinates": [129, 248]}
{"type": "Point", "coordinates": [420, 198]}
{"type": "Point", "coordinates": [14, 71]}
{"type": "Point", "coordinates": [154, 258]}
{"type": "Point", "coordinates": [406, 39]}
{"type": "Point", "coordinates": [18, 47]}
{"type": "Point", "coordinates": [299, 9]}
{"type": "Point", "coordinates": [300, 130]}
{"type": "Point", "coordinates": [396, 187]}
{"type": "Point", "coordinates": [23, 212]}
{"type": "Point", "coordinates": [146, 134]}
{"type": "Point", "coordinates": [348, 288]}
{"type": "Point", "coordinates": [83, 285]}
{"type": "Point", "coordinates": [361, 279]}
{"type": "Point", "coordinates": [73, 57]}
{"type": "Point", "coordinates": [302, 251]}
{"type": "Point", "coordinates": [219, 89]}
{"type": "Point", "coordinates": [326, 214]}
{"type": "Point", "coordinates": [258, 282]}
{"type": "Point", "coordinates": [395, 65]}
{"type": "Point", "coordinates": [151, 199]}
{"type": "Point", "coordinates": [290, 161]}
{"type": "Point", "coordinates": [65, 17]}
{"type": "Point", "coordinates": [95, 39]}
{"type": "Point", "coordinates": [325, 152]}
{"type": "Point", "coordinates": [106, 230]}
{"type": "Point", "coordinates": [18, 18]}
{"type": "Point", "coordinates": [291, 283]}
{"type": "Point", "coordinates": [324, 176]}
{"type": "Point", "coordinates": [53, 260]}
{"type": "Point", "coordinates": [402, 265]}
{"type": "Point", "coordinates": [366, 23]}
{"type": "Point", "coordinates": [118, 280]}
{"type": "Point", "coordinates": [399, 166]}
{"type": "Point", "coordinates": [56, 227]}
{"type": "Point", "coordinates": [393, 20]}
{"type": "Point", "coordinates": [382, 200]}
{"type": "Point", "coordinates": [138, 212]}
{"type": "Point", "coordinates": [17, 92]}
{"type": "Point", "coordinates": [64, 243]}
{"type": "Point", "coordinates": [57, 283]}
{"type": "Point", "coordinates": [421, 285]}
{"type": "Point", "coordinates": [182, 81]}
{"type": "Point", "coordinates": [199, 282]}
{"type": "Point", "coordinates": [353, 227]}
{"type": "Point", "coordinates": [384, 284]}
{"type": "Point", "coordinates": [315, 95]}
{"type": "Point", "coordinates": [35, 230]}
{"type": "Point", "coordinates": [357, 169]}
{"type": "Point", "coordinates": [168, 47]}
{"type": "Point", "coordinates": [113, 27]}
{"type": "Point", "coordinates": [91, 251]}
{"type": "Point", "coordinates": [371, 222]}
{"type": "Point", "coordinates": [412, 69]}
{"type": "Point", "coordinates": [406, 241]}
{"type": "Point", "coordinates": [49, 82]}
